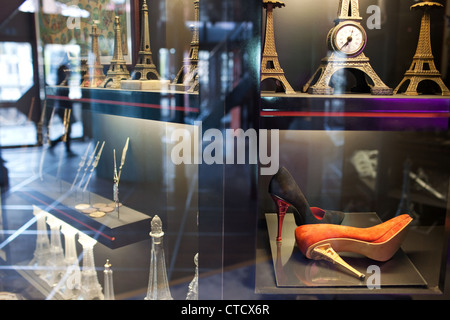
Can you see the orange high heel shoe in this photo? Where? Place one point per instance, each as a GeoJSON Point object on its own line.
{"type": "Point", "coordinates": [380, 242]}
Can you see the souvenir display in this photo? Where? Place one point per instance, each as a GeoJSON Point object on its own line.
{"type": "Point", "coordinates": [270, 65]}
{"type": "Point", "coordinates": [346, 42]}
{"type": "Point", "coordinates": [348, 197]}
{"type": "Point", "coordinates": [423, 66]}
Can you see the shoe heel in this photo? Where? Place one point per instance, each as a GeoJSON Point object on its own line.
{"type": "Point", "coordinates": [282, 207]}
{"type": "Point", "coordinates": [326, 252]}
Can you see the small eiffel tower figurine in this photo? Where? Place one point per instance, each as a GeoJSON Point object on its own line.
{"type": "Point", "coordinates": [188, 74]}
{"type": "Point", "coordinates": [90, 287]}
{"type": "Point", "coordinates": [71, 287]}
{"type": "Point", "coordinates": [270, 65]}
{"type": "Point", "coordinates": [56, 264]}
{"type": "Point", "coordinates": [42, 252]}
{"type": "Point", "coordinates": [118, 68]}
{"type": "Point", "coordinates": [94, 75]}
{"type": "Point", "coordinates": [145, 69]}
{"type": "Point", "coordinates": [423, 67]}
{"type": "Point", "coordinates": [346, 42]}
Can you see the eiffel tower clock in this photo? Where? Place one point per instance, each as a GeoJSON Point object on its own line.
{"type": "Point", "coordinates": [423, 67]}
{"type": "Point", "coordinates": [346, 42]}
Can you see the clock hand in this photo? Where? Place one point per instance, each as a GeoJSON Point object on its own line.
{"type": "Point", "coordinates": [349, 39]}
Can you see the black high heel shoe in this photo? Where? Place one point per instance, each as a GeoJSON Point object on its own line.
{"type": "Point", "coordinates": [285, 193]}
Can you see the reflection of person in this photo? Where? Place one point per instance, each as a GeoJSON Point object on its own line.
{"type": "Point", "coordinates": [64, 112]}
{"type": "Point", "coordinates": [3, 174]}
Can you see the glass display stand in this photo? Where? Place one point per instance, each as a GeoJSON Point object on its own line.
{"type": "Point", "coordinates": [293, 270]}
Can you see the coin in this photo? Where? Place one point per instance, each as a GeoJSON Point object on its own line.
{"type": "Point", "coordinates": [106, 209]}
{"type": "Point", "coordinates": [97, 214]}
{"type": "Point", "coordinates": [99, 205]}
{"type": "Point", "coordinates": [89, 210]}
{"type": "Point", "coordinates": [82, 206]}
{"type": "Point", "coordinates": [113, 204]}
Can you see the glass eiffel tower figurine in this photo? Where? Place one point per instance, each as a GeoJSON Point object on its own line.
{"type": "Point", "coordinates": [90, 287]}
{"type": "Point", "coordinates": [56, 264]}
{"type": "Point", "coordinates": [193, 286]}
{"type": "Point", "coordinates": [158, 285]}
{"type": "Point", "coordinates": [108, 281]}
{"type": "Point", "coordinates": [42, 251]}
{"type": "Point", "coordinates": [72, 283]}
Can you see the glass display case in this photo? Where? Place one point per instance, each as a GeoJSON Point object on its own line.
{"type": "Point", "coordinates": [351, 144]}
{"type": "Point", "coordinates": [225, 150]}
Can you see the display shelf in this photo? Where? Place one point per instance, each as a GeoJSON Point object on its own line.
{"type": "Point", "coordinates": [168, 106]}
{"type": "Point", "coordinates": [41, 286]}
{"type": "Point", "coordinates": [282, 269]}
{"type": "Point", "coordinates": [114, 229]}
{"type": "Point", "coordinates": [354, 112]}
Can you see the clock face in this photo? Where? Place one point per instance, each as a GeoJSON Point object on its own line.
{"type": "Point", "coordinates": [349, 39]}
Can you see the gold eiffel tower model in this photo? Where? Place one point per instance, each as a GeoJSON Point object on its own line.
{"type": "Point", "coordinates": [270, 65]}
{"type": "Point", "coordinates": [423, 67]}
{"type": "Point", "coordinates": [188, 75]}
{"type": "Point", "coordinates": [145, 69]}
{"type": "Point", "coordinates": [145, 75]}
{"type": "Point", "coordinates": [118, 68]}
{"type": "Point", "coordinates": [338, 60]}
{"type": "Point", "coordinates": [94, 75]}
